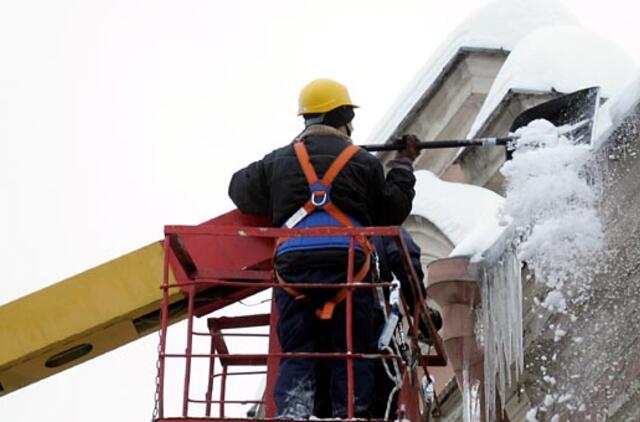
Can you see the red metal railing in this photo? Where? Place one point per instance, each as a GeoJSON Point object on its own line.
{"type": "Point", "coordinates": [186, 259]}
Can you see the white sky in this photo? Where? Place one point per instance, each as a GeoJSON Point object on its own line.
{"type": "Point", "coordinates": [117, 117]}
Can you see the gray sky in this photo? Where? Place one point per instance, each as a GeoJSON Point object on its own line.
{"type": "Point", "coordinates": [117, 117]}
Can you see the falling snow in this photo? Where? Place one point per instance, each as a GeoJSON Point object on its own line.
{"type": "Point", "coordinates": [553, 206]}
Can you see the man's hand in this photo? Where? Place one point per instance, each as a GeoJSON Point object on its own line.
{"type": "Point", "coordinates": [410, 147]}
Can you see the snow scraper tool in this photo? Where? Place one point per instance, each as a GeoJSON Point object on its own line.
{"type": "Point", "coordinates": [574, 114]}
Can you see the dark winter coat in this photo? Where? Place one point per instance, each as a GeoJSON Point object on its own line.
{"type": "Point", "coordinates": [276, 186]}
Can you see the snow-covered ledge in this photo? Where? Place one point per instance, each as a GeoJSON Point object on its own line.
{"type": "Point", "coordinates": [460, 216]}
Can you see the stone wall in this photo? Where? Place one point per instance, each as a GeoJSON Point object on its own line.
{"type": "Point", "coordinates": [598, 361]}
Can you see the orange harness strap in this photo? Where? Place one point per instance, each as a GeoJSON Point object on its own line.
{"type": "Point", "coordinates": [326, 311]}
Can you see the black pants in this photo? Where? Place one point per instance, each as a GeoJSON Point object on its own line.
{"type": "Point", "coordinates": [300, 330]}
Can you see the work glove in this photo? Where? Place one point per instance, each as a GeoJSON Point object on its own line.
{"type": "Point", "coordinates": [410, 147]}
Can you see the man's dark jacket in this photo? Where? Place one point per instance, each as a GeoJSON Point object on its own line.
{"type": "Point", "coordinates": [276, 186]}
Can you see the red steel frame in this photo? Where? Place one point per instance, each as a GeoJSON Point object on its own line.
{"type": "Point", "coordinates": [193, 277]}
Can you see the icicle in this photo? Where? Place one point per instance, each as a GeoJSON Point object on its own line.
{"type": "Point", "coordinates": [470, 392]}
{"type": "Point", "coordinates": [500, 314]}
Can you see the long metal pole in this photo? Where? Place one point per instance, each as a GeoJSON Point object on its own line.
{"type": "Point", "coordinates": [452, 143]}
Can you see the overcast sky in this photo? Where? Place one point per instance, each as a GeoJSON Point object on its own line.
{"type": "Point", "coordinates": [117, 117]}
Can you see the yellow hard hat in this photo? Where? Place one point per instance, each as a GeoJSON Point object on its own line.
{"type": "Point", "coordinates": [323, 95]}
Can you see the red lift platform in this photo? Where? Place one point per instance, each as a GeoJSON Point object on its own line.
{"type": "Point", "coordinates": [228, 259]}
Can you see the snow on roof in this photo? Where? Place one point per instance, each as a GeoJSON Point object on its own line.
{"type": "Point", "coordinates": [564, 58]}
{"type": "Point", "coordinates": [468, 215]}
{"type": "Point", "coordinates": [499, 25]}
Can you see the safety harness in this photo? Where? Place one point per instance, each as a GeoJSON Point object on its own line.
{"type": "Point", "coordinates": [320, 199]}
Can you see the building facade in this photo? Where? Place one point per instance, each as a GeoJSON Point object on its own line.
{"type": "Point", "coordinates": [592, 372]}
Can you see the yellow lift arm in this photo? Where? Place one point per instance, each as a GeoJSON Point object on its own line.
{"type": "Point", "coordinates": [82, 317]}
{"type": "Point", "coordinates": [113, 304]}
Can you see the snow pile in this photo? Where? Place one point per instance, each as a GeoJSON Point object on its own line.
{"type": "Point", "coordinates": [499, 25]}
{"type": "Point", "coordinates": [555, 58]}
{"type": "Point", "coordinates": [468, 215]}
{"type": "Point", "coordinates": [554, 209]}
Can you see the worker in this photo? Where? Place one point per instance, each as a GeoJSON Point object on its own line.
{"type": "Point", "coordinates": [321, 179]}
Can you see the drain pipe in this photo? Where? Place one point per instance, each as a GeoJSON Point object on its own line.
{"type": "Point", "coordinates": [457, 293]}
